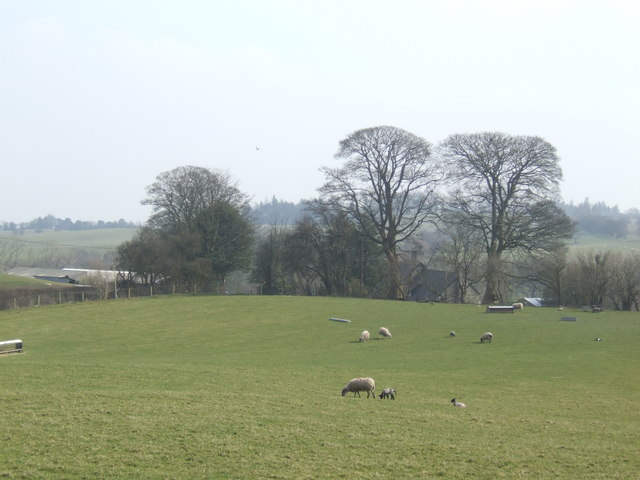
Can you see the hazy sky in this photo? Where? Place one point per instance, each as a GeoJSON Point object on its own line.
{"type": "Point", "coordinates": [99, 97]}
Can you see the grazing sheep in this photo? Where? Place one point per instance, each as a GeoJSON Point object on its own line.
{"type": "Point", "coordinates": [360, 384]}
{"type": "Point", "coordinates": [518, 306]}
{"type": "Point", "coordinates": [388, 393]}
{"type": "Point", "coordinates": [364, 336]}
{"type": "Point", "coordinates": [452, 333]}
{"type": "Point", "coordinates": [384, 332]}
{"type": "Point", "coordinates": [457, 404]}
{"type": "Point", "coordinates": [486, 337]}
{"type": "Point", "coordinates": [598, 339]}
{"type": "Point", "coordinates": [596, 309]}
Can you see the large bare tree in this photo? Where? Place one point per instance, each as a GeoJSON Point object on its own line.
{"type": "Point", "coordinates": [505, 187]}
{"type": "Point", "coordinates": [387, 184]}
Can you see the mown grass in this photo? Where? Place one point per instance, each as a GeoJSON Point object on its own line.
{"type": "Point", "coordinates": [249, 387]}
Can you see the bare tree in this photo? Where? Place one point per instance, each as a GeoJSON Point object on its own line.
{"type": "Point", "coordinates": [505, 187]}
{"type": "Point", "coordinates": [624, 280]}
{"type": "Point", "coordinates": [270, 256]}
{"type": "Point", "coordinates": [10, 251]}
{"type": "Point", "coordinates": [590, 276]}
{"type": "Point", "coordinates": [462, 253]}
{"type": "Point", "coordinates": [549, 269]}
{"type": "Point", "coordinates": [387, 184]}
{"type": "Point", "coordinates": [180, 196]}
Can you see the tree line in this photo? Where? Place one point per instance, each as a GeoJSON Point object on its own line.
{"type": "Point", "coordinates": [50, 222]}
{"type": "Point", "coordinates": [492, 198]}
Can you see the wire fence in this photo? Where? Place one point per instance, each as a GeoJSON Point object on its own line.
{"type": "Point", "coordinates": [28, 297]}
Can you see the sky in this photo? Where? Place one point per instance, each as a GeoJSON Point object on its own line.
{"type": "Point", "coordinates": [97, 98]}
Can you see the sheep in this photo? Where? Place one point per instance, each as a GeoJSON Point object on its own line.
{"type": "Point", "coordinates": [518, 306]}
{"type": "Point", "coordinates": [452, 333]}
{"type": "Point", "coordinates": [486, 337]}
{"type": "Point", "coordinates": [598, 339]}
{"type": "Point", "coordinates": [364, 336]}
{"type": "Point", "coordinates": [388, 393]}
{"type": "Point", "coordinates": [360, 384]}
{"type": "Point", "coordinates": [384, 332]}
{"type": "Point", "coordinates": [457, 404]}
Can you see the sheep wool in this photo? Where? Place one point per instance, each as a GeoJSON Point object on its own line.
{"type": "Point", "coordinates": [364, 336]}
{"type": "Point", "coordinates": [360, 384]}
{"type": "Point", "coordinates": [384, 332]}
{"type": "Point", "coordinates": [388, 393]}
{"type": "Point", "coordinates": [486, 337]}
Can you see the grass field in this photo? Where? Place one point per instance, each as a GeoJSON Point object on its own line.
{"type": "Point", "coordinates": [98, 241]}
{"type": "Point", "coordinates": [249, 387]}
{"type": "Point", "coordinates": [15, 281]}
{"type": "Point", "coordinates": [602, 243]}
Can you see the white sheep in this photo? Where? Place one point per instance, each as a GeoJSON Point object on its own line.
{"type": "Point", "coordinates": [384, 332]}
{"type": "Point", "coordinates": [518, 306]}
{"type": "Point", "coordinates": [457, 404]}
{"type": "Point", "coordinates": [486, 337]}
{"type": "Point", "coordinates": [388, 393]}
{"type": "Point", "coordinates": [452, 333]}
{"type": "Point", "coordinates": [360, 384]}
{"type": "Point", "coordinates": [364, 336]}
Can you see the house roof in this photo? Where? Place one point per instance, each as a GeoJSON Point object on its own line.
{"type": "Point", "coordinates": [534, 302]}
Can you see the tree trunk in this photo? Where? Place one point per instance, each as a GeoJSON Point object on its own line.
{"type": "Point", "coordinates": [491, 277]}
{"type": "Point", "coordinates": [396, 287]}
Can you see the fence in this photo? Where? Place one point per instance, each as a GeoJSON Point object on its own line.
{"type": "Point", "coordinates": [29, 297]}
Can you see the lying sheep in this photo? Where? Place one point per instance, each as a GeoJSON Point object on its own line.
{"type": "Point", "coordinates": [518, 306]}
{"type": "Point", "coordinates": [486, 337]}
{"type": "Point", "coordinates": [388, 393]}
{"type": "Point", "coordinates": [457, 404]}
{"type": "Point", "coordinates": [360, 384]}
{"type": "Point", "coordinates": [452, 333]}
{"type": "Point", "coordinates": [364, 336]}
{"type": "Point", "coordinates": [384, 332]}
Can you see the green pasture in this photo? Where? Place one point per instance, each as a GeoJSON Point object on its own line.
{"type": "Point", "coordinates": [16, 281]}
{"type": "Point", "coordinates": [240, 387]}
{"type": "Point", "coordinates": [584, 242]}
{"type": "Point", "coordinates": [98, 241]}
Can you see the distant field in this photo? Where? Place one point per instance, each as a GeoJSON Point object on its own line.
{"type": "Point", "coordinates": [97, 240]}
{"type": "Point", "coordinates": [14, 281]}
{"type": "Point", "coordinates": [239, 387]}
{"type": "Point", "coordinates": [584, 241]}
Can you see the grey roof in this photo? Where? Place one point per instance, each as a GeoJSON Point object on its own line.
{"type": "Point", "coordinates": [534, 302]}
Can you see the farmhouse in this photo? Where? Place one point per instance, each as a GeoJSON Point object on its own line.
{"type": "Point", "coordinates": [428, 285]}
